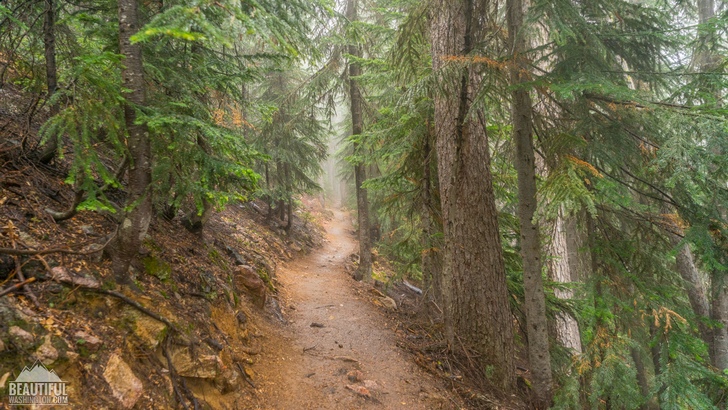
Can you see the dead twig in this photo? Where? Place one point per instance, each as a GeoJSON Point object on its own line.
{"type": "Point", "coordinates": [16, 286]}
{"type": "Point", "coordinates": [12, 275]}
{"type": "Point", "coordinates": [306, 349]}
{"type": "Point", "coordinates": [245, 375]}
{"type": "Point", "coordinates": [19, 273]}
{"type": "Point", "coordinates": [465, 351]}
{"type": "Point", "coordinates": [136, 305]}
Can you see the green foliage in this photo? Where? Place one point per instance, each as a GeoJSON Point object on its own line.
{"type": "Point", "coordinates": [292, 134]}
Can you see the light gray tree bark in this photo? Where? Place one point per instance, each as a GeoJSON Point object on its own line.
{"type": "Point", "coordinates": [534, 298]}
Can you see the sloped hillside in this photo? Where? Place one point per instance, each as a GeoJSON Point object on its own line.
{"type": "Point", "coordinates": [188, 333]}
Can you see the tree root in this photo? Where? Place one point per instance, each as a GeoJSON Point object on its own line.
{"type": "Point", "coordinates": [178, 383]}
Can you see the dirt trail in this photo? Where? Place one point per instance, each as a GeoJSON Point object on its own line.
{"type": "Point", "coordinates": [305, 367]}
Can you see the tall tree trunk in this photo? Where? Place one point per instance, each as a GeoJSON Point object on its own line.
{"type": "Point", "coordinates": [49, 44]}
{"type": "Point", "coordinates": [475, 295]}
{"type": "Point", "coordinates": [281, 208]}
{"type": "Point", "coordinates": [656, 353]}
{"type": "Point", "coordinates": [642, 381]}
{"type": "Point", "coordinates": [719, 313]}
{"type": "Point", "coordinates": [698, 297]}
{"type": "Point", "coordinates": [535, 299]}
{"type": "Point", "coordinates": [563, 268]}
{"type": "Point", "coordinates": [431, 256]}
{"type": "Point", "coordinates": [706, 61]}
{"type": "Point", "coordinates": [289, 188]}
{"type": "Point", "coordinates": [364, 271]}
{"type": "Point", "coordinates": [195, 221]}
{"type": "Point", "coordinates": [136, 222]}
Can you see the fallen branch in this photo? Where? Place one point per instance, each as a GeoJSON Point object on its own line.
{"type": "Point", "coordinates": [19, 273]}
{"type": "Point", "coordinates": [61, 275]}
{"type": "Point", "coordinates": [69, 213]}
{"type": "Point", "coordinates": [16, 286]}
{"type": "Point", "coordinates": [412, 287]}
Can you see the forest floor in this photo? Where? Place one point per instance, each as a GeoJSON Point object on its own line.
{"type": "Point", "coordinates": [339, 350]}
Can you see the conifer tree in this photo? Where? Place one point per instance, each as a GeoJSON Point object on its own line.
{"type": "Point", "coordinates": [534, 299]}
{"type": "Point", "coordinates": [473, 279]}
{"type": "Point", "coordinates": [364, 270]}
{"type": "Point", "coordinates": [134, 226]}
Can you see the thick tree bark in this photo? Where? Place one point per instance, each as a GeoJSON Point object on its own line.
{"type": "Point", "coordinates": [475, 294]}
{"type": "Point", "coordinates": [535, 299]}
{"type": "Point", "coordinates": [364, 271]}
{"type": "Point", "coordinates": [135, 224]}
{"type": "Point", "coordinates": [49, 44]}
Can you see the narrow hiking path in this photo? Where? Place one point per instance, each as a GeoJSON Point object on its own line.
{"type": "Point", "coordinates": [334, 330]}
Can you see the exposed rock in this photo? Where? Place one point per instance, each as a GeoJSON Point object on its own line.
{"type": "Point", "coordinates": [46, 353]}
{"type": "Point", "coordinates": [360, 390]}
{"type": "Point", "coordinates": [21, 337]}
{"type": "Point", "coordinates": [61, 274]}
{"type": "Point", "coordinates": [242, 319]}
{"type": "Point", "coordinates": [388, 303]}
{"type": "Point", "coordinates": [296, 247]}
{"type": "Point", "coordinates": [371, 385]}
{"type": "Point", "coordinates": [125, 386]}
{"type": "Point", "coordinates": [148, 330]}
{"type": "Point", "coordinates": [227, 381]}
{"type": "Point", "coordinates": [72, 356]}
{"type": "Point", "coordinates": [90, 342]}
{"type": "Point", "coordinates": [246, 277]}
{"type": "Point", "coordinates": [203, 366]}
{"type": "Point", "coordinates": [28, 240]}
{"type": "Point", "coordinates": [239, 259]}
{"type": "Point", "coordinates": [355, 376]}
